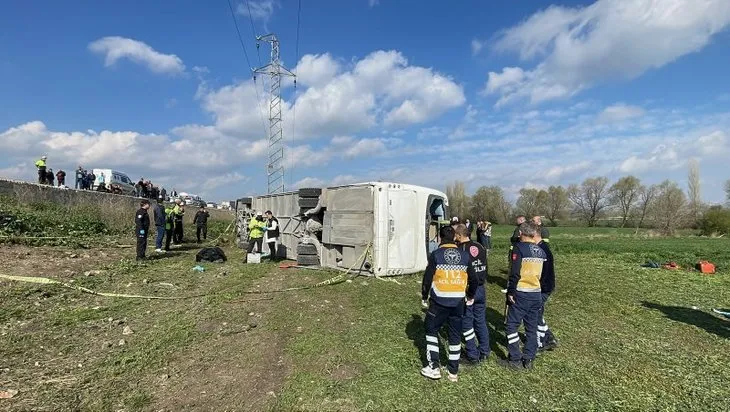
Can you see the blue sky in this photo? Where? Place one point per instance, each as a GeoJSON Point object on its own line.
{"type": "Point", "coordinates": [529, 94]}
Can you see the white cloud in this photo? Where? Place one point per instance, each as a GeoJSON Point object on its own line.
{"type": "Point", "coordinates": [467, 127]}
{"type": "Point", "coordinates": [366, 147]}
{"type": "Point", "coordinates": [259, 10]}
{"type": "Point", "coordinates": [116, 48]}
{"type": "Point", "coordinates": [223, 180]}
{"type": "Point", "coordinates": [373, 3]}
{"type": "Point", "coordinates": [309, 182]}
{"type": "Point", "coordinates": [316, 69]}
{"type": "Point", "coordinates": [379, 89]}
{"type": "Point", "coordinates": [555, 173]}
{"type": "Point", "coordinates": [477, 46]}
{"type": "Point", "coordinates": [714, 144]}
{"type": "Point", "coordinates": [620, 112]}
{"type": "Point", "coordinates": [577, 48]}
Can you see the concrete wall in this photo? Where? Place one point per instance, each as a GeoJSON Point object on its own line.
{"type": "Point", "coordinates": [32, 192]}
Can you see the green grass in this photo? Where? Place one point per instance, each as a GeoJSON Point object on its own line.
{"type": "Point", "coordinates": [629, 338]}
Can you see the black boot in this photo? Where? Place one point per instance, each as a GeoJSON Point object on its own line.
{"type": "Point", "coordinates": [527, 363]}
{"type": "Point", "coordinates": [514, 365]}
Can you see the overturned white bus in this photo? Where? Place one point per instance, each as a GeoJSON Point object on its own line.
{"type": "Point", "coordinates": [380, 228]}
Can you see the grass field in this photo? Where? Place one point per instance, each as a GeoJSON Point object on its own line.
{"type": "Point", "coordinates": [629, 337]}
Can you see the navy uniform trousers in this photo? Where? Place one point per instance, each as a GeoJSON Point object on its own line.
{"type": "Point", "coordinates": [544, 335]}
{"type": "Point", "coordinates": [525, 309]}
{"type": "Point", "coordinates": [436, 316]}
{"type": "Point", "coordinates": [474, 326]}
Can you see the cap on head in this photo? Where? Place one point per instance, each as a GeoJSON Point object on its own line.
{"type": "Point", "coordinates": [268, 212]}
{"type": "Point", "coordinates": [455, 219]}
{"type": "Point", "coordinates": [44, 157]}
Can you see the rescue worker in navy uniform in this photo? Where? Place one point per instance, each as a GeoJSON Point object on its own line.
{"type": "Point", "coordinates": [448, 280]}
{"type": "Point", "coordinates": [142, 222]}
{"type": "Point", "coordinates": [474, 324]}
{"type": "Point", "coordinates": [524, 297]}
{"type": "Point", "coordinates": [201, 223]}
{"type": "Point", "coordinates": [545, 338]}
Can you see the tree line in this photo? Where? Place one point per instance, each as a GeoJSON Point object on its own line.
{"type": "Point", "coordinates": [627, 202]}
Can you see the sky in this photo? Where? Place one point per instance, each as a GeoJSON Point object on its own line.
{"type": "Point", "coordinates": [515, 94]}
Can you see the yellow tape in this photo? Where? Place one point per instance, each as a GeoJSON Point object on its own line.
{"type": "Point", "coordinates": [47, 281]}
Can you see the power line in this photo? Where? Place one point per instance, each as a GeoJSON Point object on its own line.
{"type": "Point", "coordinates": [240, 39]}
{"type": "Point", "coordinates": [294, 106]}
{"type": "Point", "coordinates": [253, 31]}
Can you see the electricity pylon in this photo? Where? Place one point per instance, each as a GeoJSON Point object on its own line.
{"type": "Point", "coordinates": [275, 167]}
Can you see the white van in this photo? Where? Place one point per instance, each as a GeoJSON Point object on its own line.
{"type": "Point", "coordinates": [379, 228]}
{"type": "Point", "coordinates": [117, 178]}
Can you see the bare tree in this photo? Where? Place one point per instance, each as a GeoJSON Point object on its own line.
{"type": "Point", "coordinates": [589, 199]}
{"type": "Point", "coordinates": [727, 192]}
{"type": "Point", "coordinates": [694, 191]}
{"type": "Point", "coordinates": [531, 202]}
{"type": "Point", "coordinates": [557, 203]}
{"type": "Point", "coordinates": [458, 199]}
{"type": "Point", "coordinates": [644, 203]}
{"type": "Point", "coordinates": [488, 203]}
{"type": "Point", "coordinates": [624, 194]}
{"type": "Point", "coordinates": [669, 210]}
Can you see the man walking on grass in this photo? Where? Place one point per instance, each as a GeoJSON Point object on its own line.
{"type": "Point", "coordinates": [201, 223]}
{"type": "Point", "coordinates": [474, 324]}
{"type": "Point", "coordinates": [448, 281]}
{"type": "Point", "coordinates": [142, 222]}
{"type": "Point", "coordinates": [524, 297]}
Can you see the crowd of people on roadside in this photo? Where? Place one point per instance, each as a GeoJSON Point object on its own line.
{"type": "Point", "coordinates": [453, 293]}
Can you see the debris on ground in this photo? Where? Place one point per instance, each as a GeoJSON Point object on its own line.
{"type": "Point", "coordinates": [705, 267]}
{"type": "Point", "coordinates": [8, 393]}
{"type": "Point", "coordinates": [671, 266]}
{"type": "Point", "coordinates": [122, 342]}
{"type": "Point", "coordinates": [127, 331]}
{"type": "Point", "coordinates": [211, 254]}
{"type": "Point", "coordinates": [92, 273]}
{"type": "Point", "coordinates": [651, 264]}
{"type": "Point", "coordinates": [198, 268]}
{"type": "Point", "coordinates": [725, 313]}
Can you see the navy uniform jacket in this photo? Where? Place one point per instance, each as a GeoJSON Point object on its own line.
{"type": "Point", "coordinates": [547, 281]}
{"type": "Point", "coordinates": [142, 221]}
{"type": "Point", "coordinates": [449, 277]}
{"type": "Point", "coordinates": [478, 259]}
{"type": "Point", "coordinates": [528, 260]}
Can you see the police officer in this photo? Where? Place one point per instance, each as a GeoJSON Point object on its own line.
{"type": "Point", "coordinates": [201, 223]}
{"type": "Point", "coordinates": [142, 222]}
{"type": "Point", "coordinates": [448, 280]}
{"type": "Point", "coordinates": [178, 212]}
{"type": "Point", "coordinates": [160, 221]}
{"type": "Point", "coordinates": [474, 324]}
{"type": "Point", "coordinates": [40, 164]}
{"type": "Point", "coordinates": [256, 227]}
{"type": "Point", "coordinates": [524, 297]}
{"type": "Point", "coordinates": [545, 338]}
{"type": "Point", "coordinates": [169, 226]}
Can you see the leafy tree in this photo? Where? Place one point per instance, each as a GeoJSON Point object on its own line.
{"type": "Point", "coordinates": [531, 202]}
{"type": "Point", "coordinates": [644, 203]}
{"type": "Point", "coordinates": [488, 203]}
{"type": "Point", "coordinates": [716, 220]}
{"type": "Point", "coordinates": [669, 211]}
{"type": "Point", "coordinates": [624, 194]}
{"type": "Point", "coordinates": [589, 199]}
{"type": "Point", "coordinates": [458, 199]}
{"type": "Point", "coordinates": [694, 192]}
{"type": "Point", "coordinates": [557, 203]}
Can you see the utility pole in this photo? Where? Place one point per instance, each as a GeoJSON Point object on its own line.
{"type": "Point", "coordinates": [275, 167]}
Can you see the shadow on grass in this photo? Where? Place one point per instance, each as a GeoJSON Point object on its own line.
{"type": "Point", "coordinates": [416, 332]}
{"type": "Point", "coordinates": [497, 280]}
{"type": "Point", "coordinates": [703, 320]}
{"type": "Point", "coordinates": [497, 337]}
